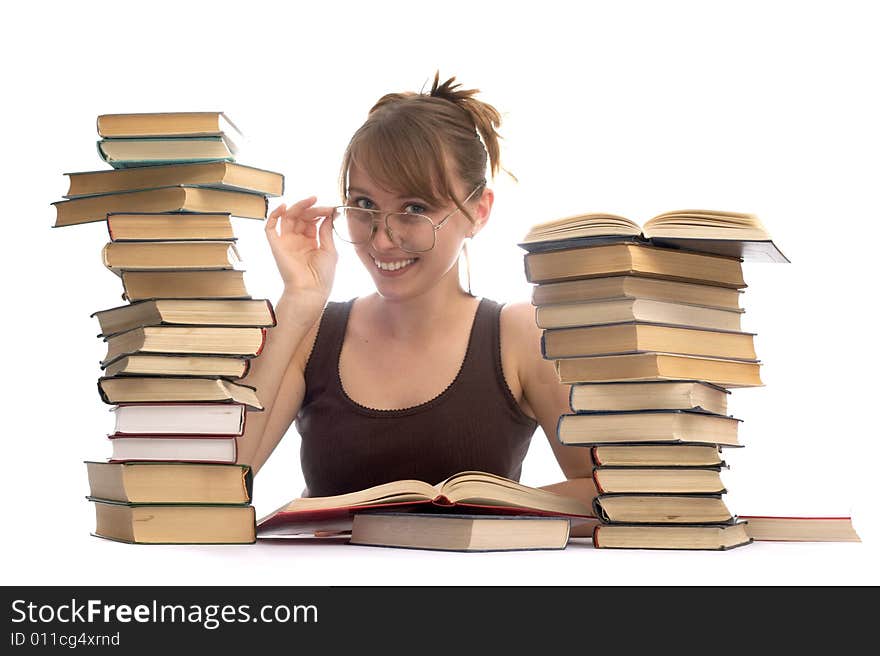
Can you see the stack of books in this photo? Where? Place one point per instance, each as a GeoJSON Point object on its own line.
{"type": "Point", "coordinates": [644, 324]}
{"type": "Point", "coordinates": [177, 350]}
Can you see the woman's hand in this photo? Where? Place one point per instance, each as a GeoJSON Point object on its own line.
{"type": "Point", "coordinates": [301, 239]}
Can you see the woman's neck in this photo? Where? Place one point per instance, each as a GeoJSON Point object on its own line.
{"type": "Point", "coordinates": [423, 316]}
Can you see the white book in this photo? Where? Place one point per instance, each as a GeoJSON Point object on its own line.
{"type": "Point", "coordinates": [180, 419]}
{"type": "Point", "coordinates": [196, 449]}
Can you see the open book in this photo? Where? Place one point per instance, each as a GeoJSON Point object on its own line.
{"type": "Point", "coordinates": [468, 491]}
{"type": "Point", "coordinates": [732, 234]}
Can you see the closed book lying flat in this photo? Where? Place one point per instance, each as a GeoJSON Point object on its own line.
{"type": "Point", "coordinates": [226, 284]}
{"type": "Point", "coordinates": [133, 389]}
{"type": "Point", "coordinates": [153, 151]}
{"type": "Point", "coordinates": [186, 340]}
{"type": "Point", "coordinates": [629, 258]}
{"type": "Point", "coordinates": [222, 175]}
{"type": "Point", "coordinates": [658, 366]}
{"type": "Point", "coordinates": [139, 364]}
{"type": "Point", "coordinates": [224, 419]}
{"type": "Point", "coordinates": [717, 538]}
{"type": "Point", "coordinates": [633, 337]}
{"type": "Point", "coordinates": [801, 529]}
{"type": "Point", "coordinates": [173, 482]}
{"type": "Point", "coordinates": [170, 255]}
{"type": "Point", "coordinates": [174, 523]}
{"type": "Point", "coordinates": [648, 395]}
{"type": "Point", "coordinates": [670, 480]}
{"type": "Point", "coordinates": [635, 287]}
{"type": "Point", "coordinates": [657, 455]}
{"type": "Point", "coordinates": [171, 448]}
{"type": "Point", "coordinates": [457, 532]}
{"type": "Point", "coordinates": [186, 312]}
{"type": "Point", "coordinates": [669, 426]}
{"type": "Point", "coordinates": [621, 310]}
{"type": "Point", "coordinates": [166, 124]}
{"type": "Point", "coordinates": [163, 199]}
{"type": "Point", "coordinates": [662, 509]}
{"type": "Point", "coordinates": [164, 226]}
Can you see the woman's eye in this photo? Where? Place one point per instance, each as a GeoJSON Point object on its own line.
{"type": "Point", "coordinates": [363, 203]}
{"type": "Point", "coordinates": [415, 208]}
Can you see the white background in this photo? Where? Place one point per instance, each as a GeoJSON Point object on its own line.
{"type": "Point", "coordinates": [630, 108]}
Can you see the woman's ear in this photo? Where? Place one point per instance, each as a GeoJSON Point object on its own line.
{"type": "Point", "coordinates": [483, 210]}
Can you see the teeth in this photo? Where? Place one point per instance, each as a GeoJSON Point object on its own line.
{"type": "Point", "coordinates": [394, 266]}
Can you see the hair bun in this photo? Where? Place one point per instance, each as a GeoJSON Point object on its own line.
{"type": "Point", "coordinates": [448, 90]}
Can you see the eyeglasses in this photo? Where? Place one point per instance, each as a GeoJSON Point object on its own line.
{"type": "Point", "coordinates": [408, 231]}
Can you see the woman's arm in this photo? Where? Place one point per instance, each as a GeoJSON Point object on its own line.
{"type": "Point", "coordinates": [545, 395]}
{"type": "Point", "coordinates": [306, 259]}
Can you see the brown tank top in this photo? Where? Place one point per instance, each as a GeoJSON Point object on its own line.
{"type": "Point", "coordinates": [475, 423]}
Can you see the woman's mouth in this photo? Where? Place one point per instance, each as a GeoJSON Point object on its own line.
{"type": "Point", "coordinates": [390, 267]}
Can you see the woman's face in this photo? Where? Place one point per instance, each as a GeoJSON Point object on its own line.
{"type": "Point", "coordinates": [400, 274]}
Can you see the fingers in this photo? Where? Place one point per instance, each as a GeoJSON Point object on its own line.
{"type": "Point", "coordinates": [299, 218]}
{"type": "Point", "coordinates": [326, 236]}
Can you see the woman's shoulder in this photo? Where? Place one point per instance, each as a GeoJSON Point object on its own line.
{"type": "Point", "coordinates": [518, 327]}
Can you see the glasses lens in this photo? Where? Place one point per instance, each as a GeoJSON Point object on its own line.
{"type": "Point", "coordinates": [412, 232]}
{"type": "Point", "coordinates": [353, 225]}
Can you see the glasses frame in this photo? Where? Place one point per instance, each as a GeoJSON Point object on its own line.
{"type": "Point", "coordinates": [388, 231]}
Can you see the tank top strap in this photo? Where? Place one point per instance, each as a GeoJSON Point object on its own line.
{"type": "Point", "coordinates": [323, 363]}
{"type": "Point", "coordinates": [484, 369]}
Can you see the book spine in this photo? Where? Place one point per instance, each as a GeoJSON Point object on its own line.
{"type": "Point", "coordinates": [596, 481]}
{"type": "Point", "coordinates": [263, 333]}
{"type": "Point", "coordinates": [110, 228]}
{"type": "Point", "coordinates": [594, 456]}
{"type": "Point", "coordinates": [596, 536]}
{"type": "Point", "coordinates": [272, 312]}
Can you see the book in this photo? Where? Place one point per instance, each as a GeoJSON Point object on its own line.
{"type": "Point", "coordinates": [635, 286]}
{"type": "Point", "coordinates": [141, 364]}
{"type": "Point", "coordinates": [216, 284]}
{"type": "Point", "coordinates": [471, 491]}
{"type": "Point", "coordinates": [134, 389]}
{"type": "Point", "coordinates": [625, 310]}
{"type": "Point", "coordinates": [649, 395]}
{"type": "Point", "coordinates": [140, 153]}
{"type": "Point", "coordinates": [658, 366]}
{"type": "Point", "coordinates": [167, 226]}
{"type": "Point", "coordinates": [154, 523]}
{"type": "Point", "coordinates": [177, 482]}
{"type": "Point", "coordinates": [257, 313]}
{"type": "Point", "coordinates": [186, 340]}
{"type": "Point", "coordinates": [179, 198]}
{"type": "Point", "coordinates": [166, 124]}
{"type": "Point", "coordinates": [458, 532]}
{"type": "Point", "coordinates": [173, 448]}
{"type": "Point", "coordinates": [636, 337]}
{"type": "Point", "coordinates": [641, 426]}
{"type": "Point", "coordinates": [624, 259]}
{"type": "Point", "coordinates": [719, 538]}
{"type": "Point", "coordinates": [223, 419]}
{"type": "Point", "coordinates": [169, 255]}
{"type": "Point", "coordinates": [662, 509]}
{"type": "Point", "coordinates": [659, 480]}
{"type": "Point", "coordinates": [222, 175]}
{"type": "Point", "coordinates": [801, 529]}
{"type": "Point", "coordinates": [657, 455]}
{"type": "Point", "coordinates": [733, 234]}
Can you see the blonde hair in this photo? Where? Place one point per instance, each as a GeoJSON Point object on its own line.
{"type": "Point", "coordinates": [409, 139]}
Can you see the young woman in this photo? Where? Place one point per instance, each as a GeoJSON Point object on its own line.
{"type": "Point", "coordinates": [420, 379]}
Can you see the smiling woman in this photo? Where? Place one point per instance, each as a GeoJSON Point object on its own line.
{"type": "Point", "coordinates": [421, 379]}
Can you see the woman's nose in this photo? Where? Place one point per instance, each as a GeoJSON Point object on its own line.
{"type": "Point", "coordinates": [382, 240]}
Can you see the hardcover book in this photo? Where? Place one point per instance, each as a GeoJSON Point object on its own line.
{"type": "Point", "coordinates": [468, 491]}
{"type": "Point", "coordinates": [734, 234]}
{"type": "Point", "coordinates": [457, 532]}
{"type": "Point", "coordinates": [172, 482]}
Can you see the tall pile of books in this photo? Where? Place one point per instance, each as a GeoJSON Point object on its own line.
{"type": "Point", "coordinates": [644, 323]}
{"type": "Point", "coordinates": [178, 349]}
